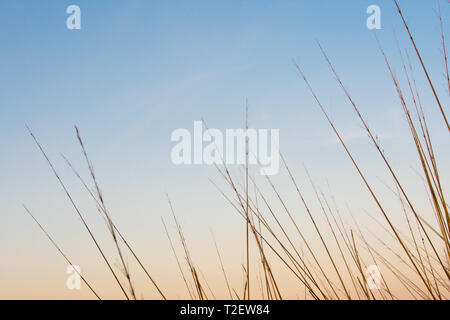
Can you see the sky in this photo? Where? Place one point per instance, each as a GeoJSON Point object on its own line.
{"type": "Point", "coordinates": [138, 70]}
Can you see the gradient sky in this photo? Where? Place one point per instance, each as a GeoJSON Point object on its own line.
{"type": "Point", "coordinates": [137, 70]}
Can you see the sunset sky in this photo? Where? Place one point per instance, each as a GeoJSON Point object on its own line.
{"type": "Point", "coordinates": [138, 70]}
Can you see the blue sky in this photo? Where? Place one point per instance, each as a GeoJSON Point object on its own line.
{"type": "Point", "coordinates": [172, 62]}
{"type": "Point", "coordinates": [137, 70]}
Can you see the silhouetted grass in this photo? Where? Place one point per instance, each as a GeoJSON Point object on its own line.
{"type": "Point", "coordinates": [347, 247]}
